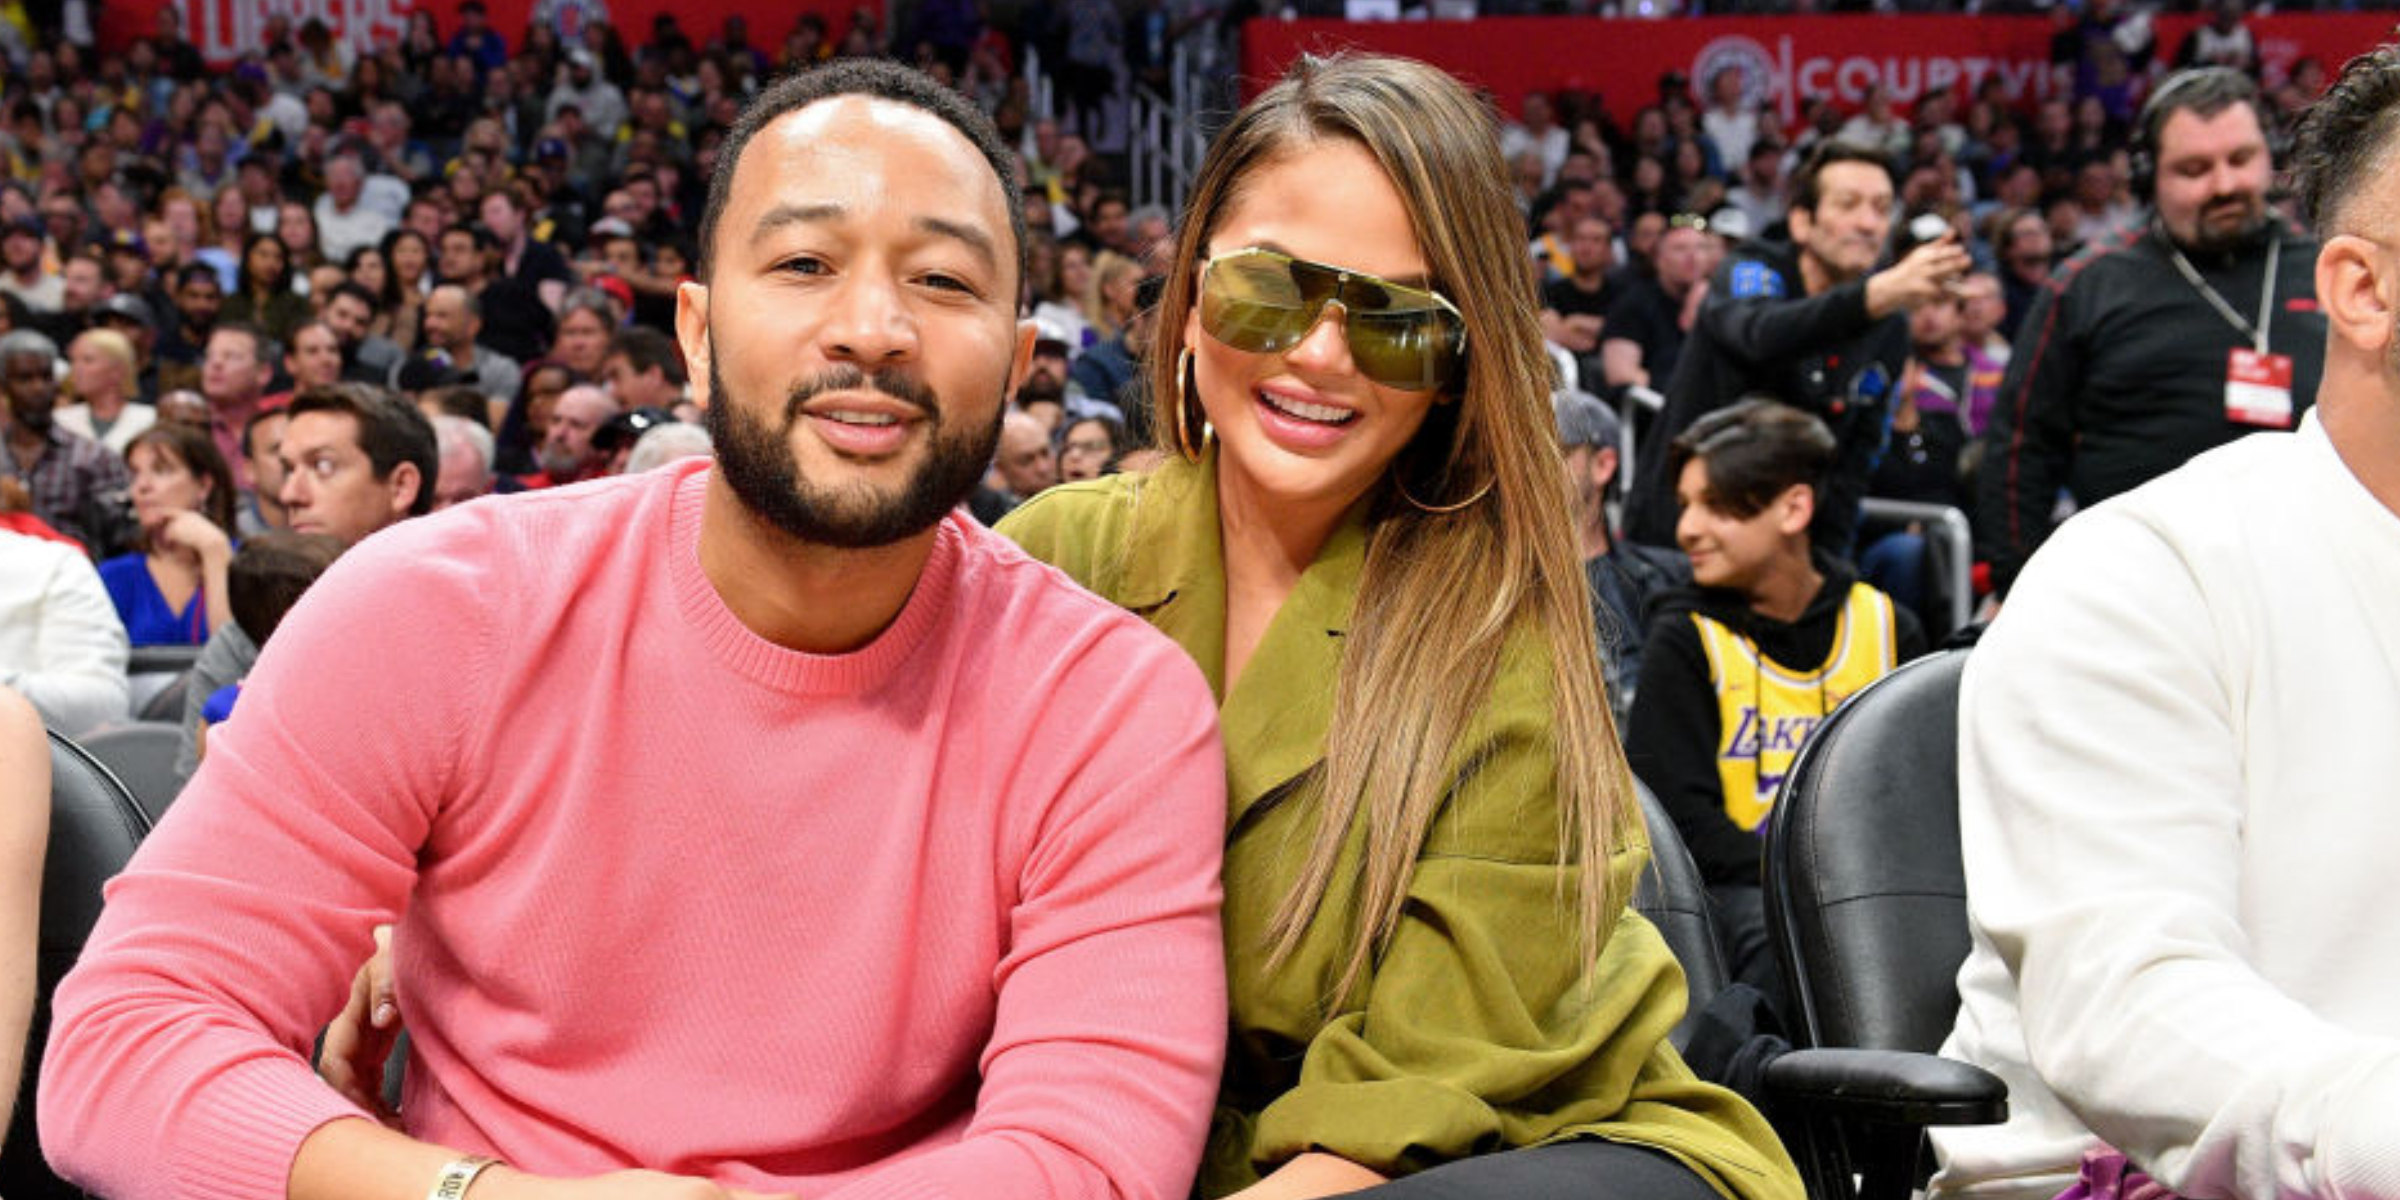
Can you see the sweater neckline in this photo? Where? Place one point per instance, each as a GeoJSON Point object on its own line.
{"type": "Point", "coordinates": [740, 648]}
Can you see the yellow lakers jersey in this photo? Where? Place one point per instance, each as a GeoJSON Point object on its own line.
{"type": "Point", "coordinates": [1765, 709]}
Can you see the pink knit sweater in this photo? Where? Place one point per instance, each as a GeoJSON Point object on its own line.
{"type": "Point", "coordinates": [934, 918]}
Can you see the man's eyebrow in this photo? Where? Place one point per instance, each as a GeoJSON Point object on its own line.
{"type": "Point", "coordinates": [973, 238]}
{"type": "Point", "coordinates": [794, 214]}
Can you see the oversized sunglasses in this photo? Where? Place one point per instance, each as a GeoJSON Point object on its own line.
{"type": "Point", "coordinates": [1265, 302]}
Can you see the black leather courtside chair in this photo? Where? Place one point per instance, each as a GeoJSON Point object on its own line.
{"type": "Point", "coordinates": [141, 754]}
{"type": "Point", "coordinates": [1866, 903]}
{"type": "Point", "coordinates": [1672, 894]}
{"type": "Point", "coordinates": [94, 827]}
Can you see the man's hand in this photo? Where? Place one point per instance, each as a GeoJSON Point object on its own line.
{"type": "Point", "coordinates": [507, 1184]}
{"type": "Point", "coordinates": [360, 1040]}
{"type": "Point", "coordinates": [1927, 272]}
{"type": "Point", "coordinates": [355, 1160]}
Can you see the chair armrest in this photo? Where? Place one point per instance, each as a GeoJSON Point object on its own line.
{"type": "Point", "coordinates": [1886, 1087]}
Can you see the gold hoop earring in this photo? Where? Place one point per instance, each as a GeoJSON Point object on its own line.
{"type": "Point", "coordinates": [1438, 509]}
{"type": "Point", "coordinates": [1183, 419]}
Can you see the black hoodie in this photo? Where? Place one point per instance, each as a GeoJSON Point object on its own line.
{"type": "Point", "coordinates": [1672, 736]}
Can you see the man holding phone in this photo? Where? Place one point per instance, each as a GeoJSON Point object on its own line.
{"type": "Point", "coordinates": [1810, 322]}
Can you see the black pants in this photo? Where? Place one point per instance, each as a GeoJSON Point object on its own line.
{"type": "Point", "coordinates": [1581, 1170]}
{"type": "Point", "coordinates": [1740, 913]}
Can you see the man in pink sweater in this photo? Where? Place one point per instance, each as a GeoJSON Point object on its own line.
{"type": "Point", "coordinates": [718, 863]}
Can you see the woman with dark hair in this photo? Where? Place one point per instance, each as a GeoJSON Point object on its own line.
{"type": "Point", "coordinates": [172, 590]}
{"type": "Point", "coordinates": [400, 311]}
{"type": "Point", "coordinates": [527, 420]}
{"type": "Point", "coordinates": [263, 294]}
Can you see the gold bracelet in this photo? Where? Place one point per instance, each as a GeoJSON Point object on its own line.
{"type": "Point", "coordinates": [453, 1181]}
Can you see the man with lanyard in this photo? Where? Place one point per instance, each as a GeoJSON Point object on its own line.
{"type": "Point", "coordinates": [2198, 329]}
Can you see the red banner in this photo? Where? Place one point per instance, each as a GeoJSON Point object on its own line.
{"type": "Point", "coordinates": [1784, 58]}
{"type": "Point", "coordinates": [226, 29]}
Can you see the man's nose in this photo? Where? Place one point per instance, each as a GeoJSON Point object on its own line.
{"type": "Point", "coordinates": [869, 324]}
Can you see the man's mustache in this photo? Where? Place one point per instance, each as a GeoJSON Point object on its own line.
{"type": "Point", "coordinates": [900, 386]}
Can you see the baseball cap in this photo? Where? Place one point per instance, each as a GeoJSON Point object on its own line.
{"type": "Point", "coordinates": [128, 241]}
{"type": "Point", "coordinates": [626, 428]}
{"type": "Point", "coordinates": [1584, 420]}
{"type": "Point", "coordinates": [128, 306]}
{"type": "Point", "coordinates": [1051, 336]}
{"type": "Point", "coordinates": [29, 226]}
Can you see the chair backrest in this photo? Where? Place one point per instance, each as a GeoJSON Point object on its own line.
{"type": "Point", "coordinates": [1675, 898]}
{"type": "Point", "coordinates": [165, 704]}
{"type": "Point", "coordinates": [141, 755]}
{"type": "Point", "coordinates": [1866, 898]}
{"type": "Point", "coordinates": [94, 828]}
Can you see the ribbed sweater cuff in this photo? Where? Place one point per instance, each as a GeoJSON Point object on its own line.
{"type": "Point", "coordinates": [238, 1139]}
{"type": "Point", "coordinates": [986, 1168]}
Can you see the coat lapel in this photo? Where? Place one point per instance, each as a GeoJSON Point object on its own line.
{"type": "Point", "coordinates": [1281, 709]}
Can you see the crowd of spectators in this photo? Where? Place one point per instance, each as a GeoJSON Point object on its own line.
{"type": "Point", "coordinates": [493, 224]}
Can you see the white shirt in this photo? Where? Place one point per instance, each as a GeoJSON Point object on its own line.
{"type": "Point", "coordinates": [340, 232]}
{"type": "Point", "coordinates": [132, 421]}
{"type": "Point", "coordinates": [2177, 756]}
{"type": "Point", "coordinates": [61, 644]}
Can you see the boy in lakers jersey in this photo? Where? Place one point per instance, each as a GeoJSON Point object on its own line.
{"type": "Point", "coordinates": [1740, 668]}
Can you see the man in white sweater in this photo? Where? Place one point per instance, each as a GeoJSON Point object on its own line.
{"type": "Point", "coordinates": [2178, 754]}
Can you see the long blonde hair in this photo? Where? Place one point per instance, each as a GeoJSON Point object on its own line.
{"type": "Point", "coordinates": [1420, 657]}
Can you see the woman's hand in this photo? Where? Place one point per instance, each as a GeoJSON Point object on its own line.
{"type": "Point", "coordinates": [188, 530]}
{"type": "Point", "coordinates": [360, 1040]}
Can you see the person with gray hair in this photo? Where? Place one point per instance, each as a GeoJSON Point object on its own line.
{"type": "Point", "coordinates": [346, 219]}
{"type": "Point", "coordinates": [466, 461]}
{"type": "Point", "coordinates": [665, 444]}
{"type": "Point", "coordinates": [1624, 577]}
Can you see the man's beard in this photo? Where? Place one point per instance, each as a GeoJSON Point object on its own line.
{"type": "Point", "coordinates": [2208, 239]}
{"type": "Point", "coordinates": [760, 466]}
{"type": "Point", "coordinates": [558, 466]}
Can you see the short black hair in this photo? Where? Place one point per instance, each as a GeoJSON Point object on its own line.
{"type": "Point", "coordinates": [269, 573]}
{"type": "Point", "coordinates": [250, 428]}
{"type": "Point", "coordinates": [644, 348]}
{"type": "Point", "coordinates": [2346, 135]}
{"type": "Point", "coordinates": [356, 291]}
{"type": "Point", "coordinates": [1753, 451]}
{"type": "Point", "coordinates": [390, 430]}
{"type": "Point", "coordinates": [872, 77]}
{"type": "Point", "coordinates": [1831, 152]}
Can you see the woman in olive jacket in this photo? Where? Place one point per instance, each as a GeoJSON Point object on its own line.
{"type": "Point", "coordinates": [1361, 534]}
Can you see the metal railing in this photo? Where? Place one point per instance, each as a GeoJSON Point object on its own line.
{"type": "Point", "coordinates": [1168, 134]}
{"type": "Point", "coordinates": [1948, 524]}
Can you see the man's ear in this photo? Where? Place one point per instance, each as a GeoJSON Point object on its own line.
{"type": "Point", "coordinates": [1020, 363]}
{"type": "Point", "coordinates": [1799, 220]}
{"type": "Point", "coordinates": [1795, 509]}
{"type": "Point", "coordinates": [691, 333]}
{"type": "Point", "coordinates": [2355, 288]}
{"type": "Point", "coordinates": [405, 481]}
{"type": "Point", "coordinates": [1603, 466]}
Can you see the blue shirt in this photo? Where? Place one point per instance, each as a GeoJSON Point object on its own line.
{"type": "Point", "coordinates": [148, 620]}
